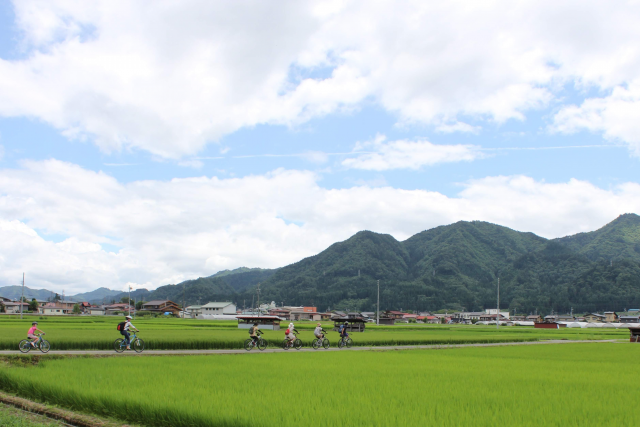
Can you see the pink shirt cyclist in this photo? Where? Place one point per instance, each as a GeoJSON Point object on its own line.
{"type": "Point", "coordinates": [31, 334]}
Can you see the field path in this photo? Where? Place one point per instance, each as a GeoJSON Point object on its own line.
{"type": "Point", "coordinates": [306, 349]}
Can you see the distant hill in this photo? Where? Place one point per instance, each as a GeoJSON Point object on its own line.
{"type": "Point", "coordinates": [451, 267]}
{"type": "Point", "coordinates": [98, 294]}
{"type": "Point", "coordinates": [15, 292]}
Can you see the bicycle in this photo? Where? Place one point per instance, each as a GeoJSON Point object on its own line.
{"type": "Point", "coordinates": [251, 343]}
{"type": "Point", "coordinates": [321, 342]}
{"type": "Point", "coordinates": [137, 344]}
{"type": "Point", "coordinates": [287, 344]}
{"type": "Point", "coordinates": [42, 344]}
{"type": "Point", "coordinates": [345, 342]}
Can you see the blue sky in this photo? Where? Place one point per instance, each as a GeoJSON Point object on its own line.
{"type": "Point", "coordinates": [127, 157]}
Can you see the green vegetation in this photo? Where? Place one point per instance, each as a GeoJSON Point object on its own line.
{"type": "Point", "coordinates": [12, 417]}
{"type": "Point", "coordinates": [561, 385]}
{"type": "Point", "coordinates": [98, 333]}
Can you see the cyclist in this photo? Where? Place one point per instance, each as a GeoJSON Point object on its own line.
{"type": "Point", "coordinates": [343, 330]}
{"type": "Point", "coordinates": [289, 333]}
{"type": "Point", "coordinates": [318, 331]}
{"type": "Point", "coordinates": [31, 334]}
{"type": "Point", "coordinates": [254, 333]}
{"type": "Point", "coordinates": [125, 331]}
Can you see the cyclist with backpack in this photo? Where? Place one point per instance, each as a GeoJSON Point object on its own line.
{"type": "Point", "coordinates": [343, 330]}
{"type": "Point", "coordinates": [124, 328]}
{"type": "Point", "coordinates": [289, 333]}
{"type": "Point", "coordinates": [254, 333]}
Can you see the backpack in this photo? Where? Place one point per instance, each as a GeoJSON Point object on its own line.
{"type": "Point", "coordinates": [120, 326]}
{"type": "Point", "coordinates": [287, 332]}
{"type": "Point", "coordinates": [251, 330]}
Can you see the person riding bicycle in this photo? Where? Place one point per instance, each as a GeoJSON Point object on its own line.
{"type": "Point", "coordinates": [31, 334]}
{"type": "Point", "coordinates": [289, 333]}
{"type": "Point", "coordinates": [343, 330]}
{"type": "Point", "coordinates": [125, 331]}
{"type": "Point", "coordinates": [254, 333]}
{"type": "Point", "coordinates": [319, 332]}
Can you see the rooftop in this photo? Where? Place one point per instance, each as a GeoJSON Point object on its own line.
{"type": "Point", "coordinates": [217, 304]}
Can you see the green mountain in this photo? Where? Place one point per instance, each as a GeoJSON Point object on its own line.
{"type": "Point", "coordinates": [98, 294]}
{"type": "Point", "coordinates": [457, 267]}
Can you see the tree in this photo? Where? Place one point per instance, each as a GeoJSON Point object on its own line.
{"type": "Point", "coordinates": [2, 307]}
{"type": "Point", "coordinates": [126, 300]}
{"type": "Point", "coordinates": [57, 298]}
{"type": "Point", "coordinates": [33, 305]}
{"type": "Point", "coordinates": [76, 309]}
{"type": "Point", "coordinates": [139, 305]}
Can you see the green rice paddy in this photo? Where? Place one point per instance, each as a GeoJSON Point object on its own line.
{"type": "Point", "coordinates": [542, 385]}
{"type": "Point", "coordinates": [98, 333]}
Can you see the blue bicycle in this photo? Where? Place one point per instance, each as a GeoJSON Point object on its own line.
{"type": "Point", "coordinates": [25, 346]}
{"type": "Point", "coordinates": [137, 344]}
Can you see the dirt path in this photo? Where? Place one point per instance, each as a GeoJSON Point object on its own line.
{"type": "Point", "coordinates": [279, 350]}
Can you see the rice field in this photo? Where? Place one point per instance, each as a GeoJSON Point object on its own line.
{"type": "Point", "coordinates": [548, 385]}
{"type": "Point", "coordinates": [98, 333]}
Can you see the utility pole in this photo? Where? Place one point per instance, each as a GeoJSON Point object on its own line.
{"type": "Point", "coordinates": [22, 297]}
{"type": "Point", "coordinates": [498, 312]}
{"type": "Point", "coordinates": [183, 292]}
{"type": "Point", "coordinates": [134, 306]}
{"type": "Point", "coordinates": [378, 311]}
{"type": "Point", "coordinates": [129, 300]}
{"type": "Point", "coordinates": [258, 298]}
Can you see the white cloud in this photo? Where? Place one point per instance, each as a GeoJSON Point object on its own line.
{"type": "Point", "coordinates": [170, 78]}
{"type": "Point", "coordinates": [402, 154]}
{"type": "Point", "coordinates": [616, 115]}
{"type": "Point", "coordinates": [173, 230]}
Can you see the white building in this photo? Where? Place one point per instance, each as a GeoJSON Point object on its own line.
{"type": "Point", "coordinates": [192, 311]}
{"type": "Point", "coordinates": [504, 314]}
{"type": "Point", "coordinates": [213, 308]}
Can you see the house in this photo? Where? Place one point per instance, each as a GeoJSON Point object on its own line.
{"type": "Point", "coordinates": [463, 316]}
{"type": "Point", "coordinates": [13, 307]}
{"type": "Point", "coordinates": [53, 309]}
{"type": "Point", "coordinates": [95, 311]}
{"type": "Point", "coordinates": [504, 314]}
{"type": "Point", "coordinates": [162, 306]}
{"type": "Point", "coordinates": [534, 318]}
{"type": "Point", "coordinates": [282, 313]}
{"type": "Point", "coordinates": [118, 308]}
{"type": "Point", "coordinates": [629, 319]}
{"type": "Point", "coordinates": [559, 318]}
{"type": "Point", "coordinates": [194, 311]}
{"type": "Point", "coordinates": [3, 299]}
{"type": "Point", "coordinates": [394, 314]}
{"type": "Point", "coordinates": [594, 317]}
{"type": "Point", "coordinates": [492, 317]}
{"type": "Point", "coordinates": [212, 308]}
{"type": "Point", "coordinates": [431, 319]}
{"type": "Point", "coordinates": [518, 318]}
{"type": "Point", "coordinates": [84, 307]}
{"type": "Point", "coordinates": [610, 316]}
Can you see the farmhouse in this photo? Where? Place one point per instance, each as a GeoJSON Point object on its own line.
{"type": "Point", "coordinates": [594, 318]}
{"type": "Point", "coordinates": [264, 322]}
{"type": "Point", "coordinates": [53, 309]}
{"type": "Point", "coordinates": [610, 316]}
{"type": "Point", "coordinates": [534, 318]}
{"type": "Point", "coordinates": [218, 308]}
{"type": "Point", "coordinates": [161, 306]}
{"type": "Point", "coordinates": [96, 311]}
{"type": "Point", "coordinates": [14, 307]}
{"type": "Point", "coordinates": [118, 308]}
{"type": "Point", "coordinates": [629, 319]}
{"type": "Point", "coordinates": [492, 317]}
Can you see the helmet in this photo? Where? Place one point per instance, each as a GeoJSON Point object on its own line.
{"type": "Point", "coordinates": [346, 323]}
{"type": "Point", "coordinates": [318, 324]}
{"type": "Point", "coordinates": [34, 323]}
{"type": "Point", "coordinates": [127, 317]}
{"type": "Point", "coordinates": [255, 324]}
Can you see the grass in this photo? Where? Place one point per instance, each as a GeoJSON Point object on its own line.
{"type": "Point", "coordinates": [12, 417]}
{"type": "Point", "coordinates": [98, 333]}
{"type": "Point", "coordinates": [550, 385]}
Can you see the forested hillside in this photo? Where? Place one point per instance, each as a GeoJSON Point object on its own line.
{"type": "Point", "coordinates": [451, 267]}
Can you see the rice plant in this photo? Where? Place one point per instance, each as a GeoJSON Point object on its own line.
{"type": "Point", "coordinates": [567, 385]}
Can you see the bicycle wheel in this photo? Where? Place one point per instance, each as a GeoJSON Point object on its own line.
{"type": "Point", "coordinates": [349, 342]}
{"type": "Point", "coordinates": [325, 343]}
{"type": "Point", "coordinates": [315, 344]}
{"type": "Point", "coordinates": [24, 346]}
{"type": "Point", "coordinates": [285, 345]}
{"type": "Point", "coordinates": [297, 344]}
{"type": "Point", "coordinates": [262, 344]}
{"type": "Point", "coordinates": [118, 345]}
{"type": "Point", "coordinates": [341, 343]}
{"type": "Point", "coordinates": [247, 344]}
{"type": "Point", "coordinates": [138, 345]}
{"type": "Point", "coordinates": [45, 346]}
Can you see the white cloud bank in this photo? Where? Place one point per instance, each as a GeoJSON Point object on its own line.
{"type": "Point", "coordinates": [168, 77]}
{"type": "Point", "coordinates": [403, 154]}
{"type": "Point", "coordinates": [168, 231]}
